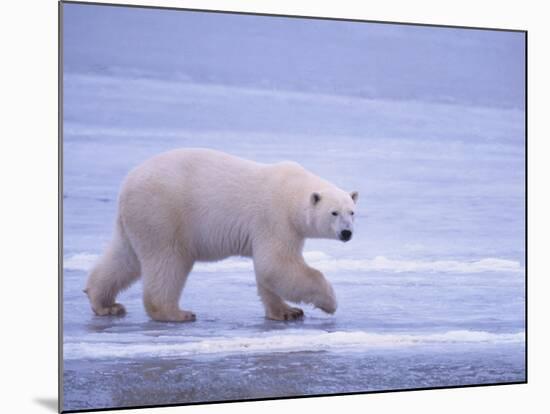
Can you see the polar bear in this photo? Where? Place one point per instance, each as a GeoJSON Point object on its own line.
{"type": "Point", "coordinates": [199, 205]}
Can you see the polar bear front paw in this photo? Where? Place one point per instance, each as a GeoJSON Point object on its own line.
{"type": "Point", "coordinates": [327, 301]}
{"type": "Point", "coordinates": [328, 308]}
{"type": "Point", "coordinates": [286, 314]}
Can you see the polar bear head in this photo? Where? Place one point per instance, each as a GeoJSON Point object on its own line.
{"type": "Point", "coordinates": [331, 214]}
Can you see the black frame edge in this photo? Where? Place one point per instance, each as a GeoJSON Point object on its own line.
{"type": "Point", "coordinates": [526, 211]}
{"type": "Point", "coordinates": [60, 206]}
{"type": "Point", "coordinates": [292, 397]}
{"type": "Point", "coordinates": [294, 16]}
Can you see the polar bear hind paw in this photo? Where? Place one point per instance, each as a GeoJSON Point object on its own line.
{"type": "Point", "coordinates": [184, 316]}
{"type": "Point", "coordinates": [116, 309]}
{"type": "Point", "coordinates": [178, 316]}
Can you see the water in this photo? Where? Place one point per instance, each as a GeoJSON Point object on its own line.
{"type": "Point", "coordinates": [431, 288]}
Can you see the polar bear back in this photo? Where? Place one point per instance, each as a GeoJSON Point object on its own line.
{"type": "Point", "coordinates": [210, 205]}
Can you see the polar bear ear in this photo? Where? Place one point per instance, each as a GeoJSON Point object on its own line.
{"type": "Point", "coordinates": [354, 196]}
{"type": "Point", "coordinates": [315, 198]}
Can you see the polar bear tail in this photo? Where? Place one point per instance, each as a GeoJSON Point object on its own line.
{"type": "Point", "coordinates": [115, 271]}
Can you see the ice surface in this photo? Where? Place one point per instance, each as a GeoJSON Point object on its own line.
{"type": "Point", "coordinates": [326, 263]}
{"type": "Point", "coordinates": [356, 341]}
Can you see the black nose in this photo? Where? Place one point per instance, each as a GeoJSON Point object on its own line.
{"type": "Point", "coordinates": [345, 235]}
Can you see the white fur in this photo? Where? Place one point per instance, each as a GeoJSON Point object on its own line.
{"type": "Point", "coordinates": [193, 205]}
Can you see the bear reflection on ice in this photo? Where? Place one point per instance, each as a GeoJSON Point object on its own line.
{"type": "Point", "coordinates": [191, 205]}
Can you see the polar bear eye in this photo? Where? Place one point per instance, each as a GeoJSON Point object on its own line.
{"type": "Point", "coordinates": [352, 213]}
{"type": "Point", "coordinates": [334, 213]}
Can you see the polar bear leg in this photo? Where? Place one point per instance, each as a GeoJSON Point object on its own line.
{"type": "Point", "coordinates": [276, 308]}
{"type": "Point", "coordinates": [164, 276]}
{"type": "Point", "coordinates": [293, 280]}
{"type": "Point", "coordinates": [117, 269]}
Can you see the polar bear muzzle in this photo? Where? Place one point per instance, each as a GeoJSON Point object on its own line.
{"type": "Point", "coordinates": [345, 235]}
